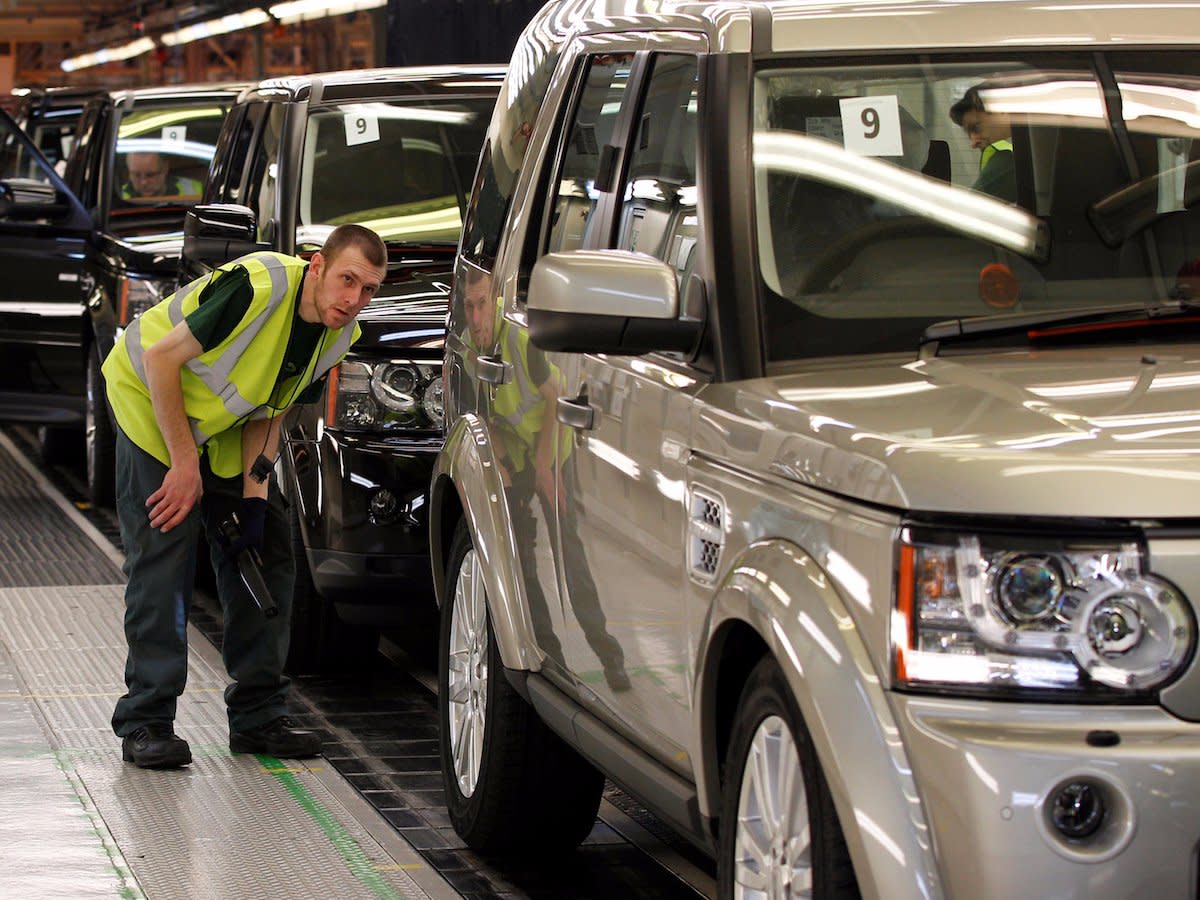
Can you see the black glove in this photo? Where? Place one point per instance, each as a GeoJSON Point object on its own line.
{"type": "Point", "coordinates": [252, 526]}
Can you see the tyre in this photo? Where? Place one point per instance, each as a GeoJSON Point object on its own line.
{"type": "Point", "coordinates": [780, 836]}
{"type": "Point", "coordinates": [321, 643]}
{"type": "Point", "coordinates": [58, 446]}
{"type": "Point", "coordinates": [510, 782]}
{"type": "Point", "coordinates": [99, 437]}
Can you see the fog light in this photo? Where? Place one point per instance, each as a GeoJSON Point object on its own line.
{"type": "Point", "coordinates": [1078, 810]}
{"type": "Point", "coordinates": [384, 507]}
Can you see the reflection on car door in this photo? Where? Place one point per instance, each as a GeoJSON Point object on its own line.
{"type": "Point", "coordinates": [43, 283]}
{"type": "Point", "coordinates": [622, 514]}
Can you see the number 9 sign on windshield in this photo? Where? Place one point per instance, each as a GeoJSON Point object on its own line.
{"type": "Point", "coordinates": [871, 126]}
{"type": "Point", "coordinates": [361, 127]}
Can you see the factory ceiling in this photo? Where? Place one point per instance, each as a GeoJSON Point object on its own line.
{"type": "Point", "coordinates": [88, 23]}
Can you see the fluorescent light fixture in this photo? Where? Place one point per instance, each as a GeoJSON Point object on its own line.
{"type": "Point", "coordinates": [408, 113]}
{"type": "Point", "coordinates": [109, 54]}
{"type": "Point", "coordinates": [233, 22]}
{"type": "Point", "coordinates": [300, 10]}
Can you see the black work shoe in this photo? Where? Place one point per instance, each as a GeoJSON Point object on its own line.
{"type": "Point", "coordinates": [279, 737]}
{"type": "Point", "coordinates": [155, 746]}
{"type": "Point", "coordinates": [617, 678]}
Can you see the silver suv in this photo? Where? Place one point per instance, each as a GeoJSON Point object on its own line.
{"type": "Point", "coordinates": [823, 445]}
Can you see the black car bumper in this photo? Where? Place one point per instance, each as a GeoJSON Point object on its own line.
{"type": "Point", "coordinates": [362, 504]}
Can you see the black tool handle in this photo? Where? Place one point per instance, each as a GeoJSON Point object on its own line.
{"type": "Point", "coordinates": [249, 566]}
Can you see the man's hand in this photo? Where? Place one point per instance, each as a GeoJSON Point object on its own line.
{"type": "Point", "coordinates": [180, 491]}
{"type": "Point", "coordinates": [252, 523]}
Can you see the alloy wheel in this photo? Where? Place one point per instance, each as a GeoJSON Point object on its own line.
{"type": "Point", "coordinates": [468, 673]}
{"type": "Point", "coordinates": [773, 850]}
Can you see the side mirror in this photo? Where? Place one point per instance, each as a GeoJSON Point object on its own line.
{"type": "Point", "coordinates": [26, 198]}
{"type": "Point", "coordinates": [609, 301]}
{"type": "Point", "coordinates": [215, 233]}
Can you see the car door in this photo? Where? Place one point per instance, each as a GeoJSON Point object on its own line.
{"type": "Point", "coordinates": [624, 423]}
{"type": "Point", "coordinates": [44, 286]}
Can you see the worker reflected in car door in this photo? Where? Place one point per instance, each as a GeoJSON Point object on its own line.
{"type": "Point", "coordinates": [528, 448]}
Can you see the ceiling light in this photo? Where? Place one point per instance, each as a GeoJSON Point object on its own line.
{"type": "Point", "coordinates": [300, 10]}
{"type": "Point", "coordinates": [109, 54]}
{"type": "Point", "coordinates": [233, 22]}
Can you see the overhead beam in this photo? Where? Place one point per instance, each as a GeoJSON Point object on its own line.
{"type": "Point", "coordinates": [31, 29]}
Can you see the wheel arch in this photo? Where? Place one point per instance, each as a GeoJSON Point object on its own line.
{"type": "Point", "coordinates": [776, 601]}
{"type": "Point", "coordinates": [466, 487]}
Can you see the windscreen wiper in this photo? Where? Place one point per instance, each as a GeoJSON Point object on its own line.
{"type": "Point", "coordinates": [1052, 323]}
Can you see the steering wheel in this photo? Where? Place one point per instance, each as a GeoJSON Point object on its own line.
{"type": "Point", "coordinates": [836, 258]}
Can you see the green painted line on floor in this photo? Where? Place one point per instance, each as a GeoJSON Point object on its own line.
{"type": "Point", "coordinates": [358, 863]}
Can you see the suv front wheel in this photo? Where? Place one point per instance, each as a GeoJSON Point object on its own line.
{"type": "Point", "coordinates": [510, 781]}
{"type": "Point", "coordinates": [780, 835]}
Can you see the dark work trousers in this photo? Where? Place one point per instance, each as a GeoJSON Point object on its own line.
{"type": "Point", "coordinates": [583, 598]}
{"type": "Point", "coordinates": [161, 568]}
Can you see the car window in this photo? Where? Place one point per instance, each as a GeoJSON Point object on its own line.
{"type": "Point", "coordinates": [264, 172]}
{"type": "Point", "coordinates": [230, 179]}
{"type": "Point", "coordinates": [576, 197]}
{"type": "Point", "coordinates": [24, 177]}
{"type": "Point", "coordinates": [163, 151]}
{"type": "Point", "coordinates": [402, 168]}
{"type": "Point", "coordinates": [16, 162]}
{"type": "Point", "coordinates": [890, 197]}
{"type": "Point", "coordinates": [658, 207]}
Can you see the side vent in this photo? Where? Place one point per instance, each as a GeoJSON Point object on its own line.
{"type": "Point", "coordinates": [706, 534]}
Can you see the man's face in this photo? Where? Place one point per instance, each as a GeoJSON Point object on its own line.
{"type": "Point", "coordinates": [345, 285]}
{"type": "Point", "coordinates": [147, 174]}
{"type": "Point", "coordinates": [984, 128]}
{"type": "Point", "coordinates": [481, 312]}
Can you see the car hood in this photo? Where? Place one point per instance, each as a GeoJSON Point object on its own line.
{"type": "Point", "coordinates": [154, 255]}
{"type": "Point", "coordinates": [407, 317]}
{"type": "Point", "coordinates": [1095, 432]}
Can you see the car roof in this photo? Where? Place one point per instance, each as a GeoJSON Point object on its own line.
{"type": "Point", "coordinates": [176, 91]}
{"type": "Point", "coordinates": [377, 82]}
{"type": "Point", "coordinates": [821, 26]}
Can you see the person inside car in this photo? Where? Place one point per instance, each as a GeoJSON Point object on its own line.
{"type": "Point", "coordinates": [991, 134]}
{"type": "Point", "coordinates": [150, 176]}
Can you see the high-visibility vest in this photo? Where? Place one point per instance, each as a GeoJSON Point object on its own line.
{"type": "Point", "coordinates": [991, 150]}
{"type": "Point", "coordinates": [519, 402]}
{"type": "Point", "coordinates": [235, 381]}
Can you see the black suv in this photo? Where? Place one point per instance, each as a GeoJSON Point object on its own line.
{"type": "Point", "coordinates": [81, 253]}
{"type": "Point", "coordinates": [394, 150]}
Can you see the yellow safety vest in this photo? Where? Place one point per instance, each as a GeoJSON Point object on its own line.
{"type": "Point", "coordinates": [232, 382]}
{"type": "Point", "coordinates": [519, 402]}
{"type": "Point", "coordinates": [991, 150]}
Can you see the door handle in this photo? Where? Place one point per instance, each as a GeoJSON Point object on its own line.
{"type": "Point", "coordinates": [576, 412]}
{"type": "Point", "coordinates": [493, 370]}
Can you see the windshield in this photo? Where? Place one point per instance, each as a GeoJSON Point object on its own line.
{"type": "Point", "coordinates": [402, 168]}
{"type": "Point", "coordinates": [891, 197]}
{"type": "Point", "coordinates": [160, 163]}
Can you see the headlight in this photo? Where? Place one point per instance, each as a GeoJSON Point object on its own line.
{"type": "Point", "coordinates": [1006, 613]}
{"type": "Point", "coordinates": [138, 295]}
{"type": "Point", "coordinates": [387, 396]}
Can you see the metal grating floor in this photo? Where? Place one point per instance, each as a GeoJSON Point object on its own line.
{"type": "Point", "coordinates": [75, 821]}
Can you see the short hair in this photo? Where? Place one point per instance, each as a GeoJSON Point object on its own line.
{"type": "Point", "coordinates": [970, 101]}
{"type": "Point", "coordinates": [369, 243]}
